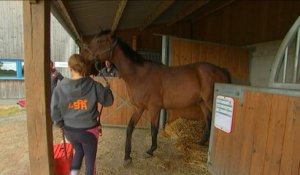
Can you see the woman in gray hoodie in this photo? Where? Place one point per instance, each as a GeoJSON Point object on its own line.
{"type": "Point", "coordinates": [74, 108]}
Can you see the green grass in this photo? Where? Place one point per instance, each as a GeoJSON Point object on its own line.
{"type": "Point", "coordinates": [10, 110]}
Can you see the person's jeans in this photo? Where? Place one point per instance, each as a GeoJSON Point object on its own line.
{"type": "Point", "coordinates": [85, 143]}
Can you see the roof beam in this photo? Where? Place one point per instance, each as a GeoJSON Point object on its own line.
{"type": "Point", "coordinates": [218, 5]}
{"type": "Point", "coordinates": [188, 10]}
{"type": "Point", "coordinates": [118, 14]}
{"type": "Point", "coordinates": [68, 17]}
{"type": "Point", "coordinates": [163, 6]}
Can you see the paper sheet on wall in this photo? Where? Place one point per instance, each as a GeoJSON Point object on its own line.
{"type": "Point", "coordinates": [223, 113]}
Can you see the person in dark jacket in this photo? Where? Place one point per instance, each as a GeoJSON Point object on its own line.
{"type": "Point", "coordinates": [74, 109]}
{"type": "Point", "coordinates": [109, 70]}
{"type": "Point", "coordinates": [55, 76]}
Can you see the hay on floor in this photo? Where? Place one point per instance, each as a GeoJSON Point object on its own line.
{"type": "Point", "coordinates": [186, 134]}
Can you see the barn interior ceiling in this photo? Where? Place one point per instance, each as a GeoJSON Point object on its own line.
{"type": "Point", "coordinates": [84, 18]}
{"type": "Point", "coordinates": [233, 22]}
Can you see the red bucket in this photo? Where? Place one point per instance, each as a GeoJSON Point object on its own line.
{"type": "Point", "coordinates": [62, 158]}
{"type": "Point", "coordinates": [22, 103]}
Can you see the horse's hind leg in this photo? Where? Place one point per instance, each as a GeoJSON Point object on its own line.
{"type": "Point", "coordinates": [154, 132]}
{"type": "Point", "coordinates": [207, 116]}
{"type": "Point", "coordinates": [131, 125]}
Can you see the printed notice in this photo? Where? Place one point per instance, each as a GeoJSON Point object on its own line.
{"type": "Point", "coordinates": [60, 64]}
{"type": "Point", "coordinates": [223, 113]}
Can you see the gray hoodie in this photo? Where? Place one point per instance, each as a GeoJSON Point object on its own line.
{"type": "Point", "coordinates": [74, 102]}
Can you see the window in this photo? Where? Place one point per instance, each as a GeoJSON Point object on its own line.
{"type": "Point", "coordinates": [11, 69]}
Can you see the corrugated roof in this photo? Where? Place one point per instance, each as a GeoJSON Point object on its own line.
{"type": "Point", "coordinates": [89, 16]}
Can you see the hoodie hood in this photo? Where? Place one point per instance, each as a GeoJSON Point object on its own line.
{"type": "Point", "coordinates": [76, 88]}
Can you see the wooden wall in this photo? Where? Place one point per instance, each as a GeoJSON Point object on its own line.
{"type": "Point", "coordinates": [264, 138]}
{"type": "Point", "coordinates": [185, 51]}
{"type": "Point", "coordinates": [247, 22]}
{"type": "Point", "coordinates": [12, 89]}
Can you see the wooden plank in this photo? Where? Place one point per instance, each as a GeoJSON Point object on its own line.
{"type": "Point", "coordinates": [217, 157]}
{"type": "Point", "coordinates": [290, 162]}
{"type": "Point", "coordinates": [248, 137]}
{"type": "Point", "coordinates": [262, 115]}
{"type": "Point", "coordinates": [237, 136]}
{"type": "Point", "coordinates": [36, 19]}
{"type": "Point", "coordinates": [216, 142]}
{"type": "Point", "coordinates": [287, 150]}
{"type": "Point", "coordinates": [275, 134]}
{"type": "Point", "coordinates": [295, 114]}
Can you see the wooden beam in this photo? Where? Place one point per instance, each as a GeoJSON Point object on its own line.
{"type": "Point", "coordinates": [215, 6]}
{"type": "Point", "coordinates": [164, 5]}
{"type": "Point", "coordinates": [63, 7]}
{"type": "Point", "coordinates": [36, 21]}
{"type": "Point", "coordinates": [118, 14]}
{"type": "Point", "coordinates": [188, 10]}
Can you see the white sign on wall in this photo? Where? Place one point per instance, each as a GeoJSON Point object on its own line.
{"type": "Point", "coordinates": [224, 113]}
{"type": "Point", "coordinates": [60, 64]}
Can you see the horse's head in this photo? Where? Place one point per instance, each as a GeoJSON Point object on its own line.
{"type": "Point", "coordinates": [101, 46]}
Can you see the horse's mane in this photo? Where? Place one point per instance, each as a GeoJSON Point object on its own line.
{"type": "Point", "coordinates": [127, 50]}
{"type": "Point", "coordinates": [130, 53]}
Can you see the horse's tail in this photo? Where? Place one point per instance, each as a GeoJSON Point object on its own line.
{"type": "Point", "coordinates": [227, 73]}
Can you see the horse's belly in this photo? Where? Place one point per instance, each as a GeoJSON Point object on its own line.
{"type": "Point", "coordinates": [181, 100]}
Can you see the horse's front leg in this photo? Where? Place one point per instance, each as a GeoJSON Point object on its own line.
{"type": "Point", "coordinates": [154, 132]}
{"type": "Point", "coordinates": [131, 125]}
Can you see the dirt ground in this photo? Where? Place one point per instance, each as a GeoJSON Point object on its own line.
{"type": "Point", "coordinates": [177, 153]}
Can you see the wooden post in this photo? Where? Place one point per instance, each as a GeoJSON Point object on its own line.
{"type": "Point", "coordinates": [36, 19]}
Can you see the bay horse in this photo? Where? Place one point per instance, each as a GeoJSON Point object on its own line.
{"type": "Point", "coordinates": [152, 86]}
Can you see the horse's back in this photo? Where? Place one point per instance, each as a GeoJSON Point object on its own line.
{"type": "Point", "coordinates": [213, 72]}
{"type": "Point", "coordinates": [191, 83]}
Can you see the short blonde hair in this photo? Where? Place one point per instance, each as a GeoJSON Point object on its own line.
{"type": "Point", "coordinates": [77, 63]}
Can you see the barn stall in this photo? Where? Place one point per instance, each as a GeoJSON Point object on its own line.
{"type": "Point", "coordinates": [40, 127]}
{"type": "Point", "coordinates": [256, 130]}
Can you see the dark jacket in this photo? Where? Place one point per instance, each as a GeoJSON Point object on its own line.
{"type": "Point", "coordinates": [74, 102]}
{"type": "Point", "coordinates": [113, 72]}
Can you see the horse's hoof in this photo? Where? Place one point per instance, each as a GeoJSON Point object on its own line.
{"type": "Point", "coordinates": [147, 155]}
{"type": "Point", "coordinates": [127, 162]}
